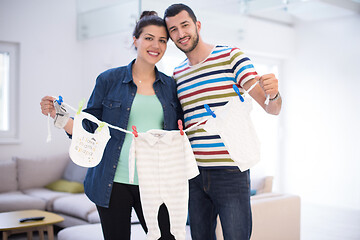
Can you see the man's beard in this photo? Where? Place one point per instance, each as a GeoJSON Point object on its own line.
{"type": "Point", "coordinates": [194, 44]}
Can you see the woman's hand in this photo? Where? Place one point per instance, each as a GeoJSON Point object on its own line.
{"type": "Point", "coordinates": [47, 106]}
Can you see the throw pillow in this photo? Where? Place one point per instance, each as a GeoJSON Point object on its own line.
{"type": "Point", "coordinates": [63, 185]}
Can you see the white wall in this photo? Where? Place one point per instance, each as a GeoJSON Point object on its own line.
{"type": "Point", "coordinates": [50, 64]}
{"type": "Point", "coordinates": [321, 110]}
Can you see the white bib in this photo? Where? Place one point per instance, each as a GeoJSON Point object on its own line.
{"type": "Point", "coordinates": [87, 148]}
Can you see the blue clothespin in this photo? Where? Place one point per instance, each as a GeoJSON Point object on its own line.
{"type": "Point", "coordinates": [238, 92]}
{"type": "Point", "coordinates": [60, 100]}
{"type": "Point", "coordinates": [207, 108]}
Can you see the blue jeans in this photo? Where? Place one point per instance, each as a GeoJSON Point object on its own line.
{"type": "Point", "coordinates": [223, 192]}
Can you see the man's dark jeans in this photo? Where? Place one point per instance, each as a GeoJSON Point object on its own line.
{"type": "Point", "coordinates": [223, 192]}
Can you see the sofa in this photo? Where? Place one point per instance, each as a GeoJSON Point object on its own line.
{"type": "Point", "coordinates": [55, 184]}
{"type": "Point", "coordinates": [52, 184]}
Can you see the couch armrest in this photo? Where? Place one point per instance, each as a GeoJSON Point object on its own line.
{"type": "Point", "coordinates": [276, 217]}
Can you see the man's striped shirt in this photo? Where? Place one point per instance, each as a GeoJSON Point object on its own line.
{"type": "Point", "coordinates": [211, 82]}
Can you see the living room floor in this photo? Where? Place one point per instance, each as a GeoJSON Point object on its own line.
{"type": "Point", "coordinates": [137, 234]}
{"type": "Point", "coordinates": [328, 223]}
{"type": "Point", "coordinates": [317, 222]}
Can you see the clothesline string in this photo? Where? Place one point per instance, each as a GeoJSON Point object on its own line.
{"type": "Point", "coordinates": [112, 126]}
{"type": "Point", "coordinates": [126, 131]}
{"type": "Point", "coordinates": [207, 118]}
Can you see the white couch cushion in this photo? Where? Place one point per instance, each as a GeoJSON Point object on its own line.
{"type": "Point", "coordinates": [70, 221]}
{"type": "Point", "coordinates": [12, 201]}
{"type": "Point", "coordinates": [83, 232]}
{"type": "Point", "coordinates": [8, 176]}
{"type": "Point", "coordinates": [47, 195]}
{"type": "Point", "coordinates": [77, 205]}
{"type": "Point", "coordinates": [38, 172]}
{"type": "Point", "coordinates": [94, 217]}
{"type": "Point", "coordinates": [265, 195]}
{"type": "Point", "coordinates": [94, 232]}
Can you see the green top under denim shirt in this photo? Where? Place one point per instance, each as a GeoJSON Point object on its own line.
{"type": "Point", "coordinates": [146, 113]}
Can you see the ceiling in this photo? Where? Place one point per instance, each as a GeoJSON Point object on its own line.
{"type": "Point", "coordinates": [280, 11]}
{"type": "Point", "coordinates": [99, 17]}
{"type": "Point", "coordinates": [292, 11]}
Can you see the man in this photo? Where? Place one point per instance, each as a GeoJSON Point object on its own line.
{"type": "Point", "coordinates": [206, 77]}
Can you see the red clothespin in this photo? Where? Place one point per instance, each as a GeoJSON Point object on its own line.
{"type": "Point", "coordinates": [180, 127]}
{"type": "Point", "coordinates": [135, 131]}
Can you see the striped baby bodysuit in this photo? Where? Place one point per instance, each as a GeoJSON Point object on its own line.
{"type": "Point", "coordinates": [165, 162]}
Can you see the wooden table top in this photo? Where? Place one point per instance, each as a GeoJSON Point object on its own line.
{"type": "Point", "coordinates": [10, 220]}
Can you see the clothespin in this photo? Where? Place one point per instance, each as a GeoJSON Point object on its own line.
{"type": "Point", "coordinates": [81, 104]}
{"type": "Point", "coordinates": [135, 131]}
{"type": "Point", "coordinates": [60, 100]}
{"type": "Point", "coordinates": [238, 92]}
{"type": "Point", "coordinates": [101, 125]}
{"type": "Point", "coordinates": [207, 108]}
{"type": "Point", "coordinates": [181, 127]}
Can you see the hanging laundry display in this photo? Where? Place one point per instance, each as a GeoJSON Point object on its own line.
{"type": "Point", "coordinates": [165, 160]}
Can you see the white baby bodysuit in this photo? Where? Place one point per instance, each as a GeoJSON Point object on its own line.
{"type": "Point", "coordinates": [165, 162]}
{"type": "Point", "coordinates": [87, 148]}
{"type": "Point", "coordinates": [233, 124]}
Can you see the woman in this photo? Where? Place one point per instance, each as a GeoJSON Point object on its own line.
{"type": "Point", "coordinates": [140, 95]}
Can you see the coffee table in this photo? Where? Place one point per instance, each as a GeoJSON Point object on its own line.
{"type": "Point", "coordinates": [9, 223]}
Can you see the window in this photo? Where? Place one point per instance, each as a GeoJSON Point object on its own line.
{"type": "Point", "coordinates": [267, 127]}
{"type": "Point", "coordinates": [8, 92]}
{"type": "Point", "coordinates": [4, 82]}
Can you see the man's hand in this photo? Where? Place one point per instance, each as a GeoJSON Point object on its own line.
{"type": "Point", "coordinates": [269, 84]}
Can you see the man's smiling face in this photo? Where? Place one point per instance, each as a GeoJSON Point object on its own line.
{"type": "Point", "coordinates": [183, 31]}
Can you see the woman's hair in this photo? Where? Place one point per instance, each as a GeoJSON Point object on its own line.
{"type": "Point", "coordinates": [148, 18]}
{"type": "Point", "coordinates": [175, 9]}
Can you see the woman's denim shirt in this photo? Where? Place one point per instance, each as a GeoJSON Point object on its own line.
{"type": "Point", "coordinates": [111, 101]}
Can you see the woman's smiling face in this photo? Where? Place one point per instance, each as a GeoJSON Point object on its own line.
{"type": "Point", "coordinates": [151, 44]}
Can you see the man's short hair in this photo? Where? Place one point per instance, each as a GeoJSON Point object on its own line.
{"type": "Point", "coordinates": [175, 9]}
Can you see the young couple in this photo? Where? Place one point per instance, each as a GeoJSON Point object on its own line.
{"type": "Point", "coordinates": [138, 94]}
